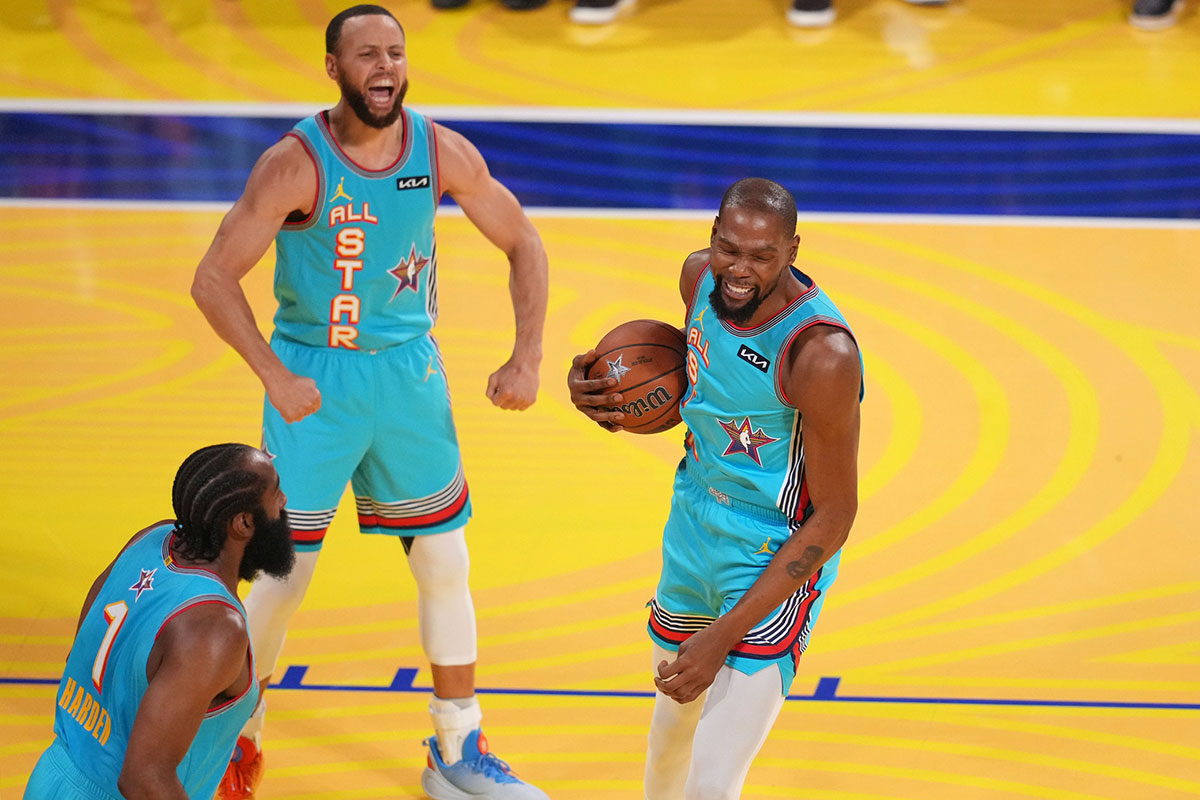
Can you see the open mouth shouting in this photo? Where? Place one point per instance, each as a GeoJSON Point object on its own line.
{"type": "Point", "coordinates": [381, 92]}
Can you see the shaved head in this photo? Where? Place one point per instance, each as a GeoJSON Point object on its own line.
{"type": "Point", "coordinates": [766, 196]}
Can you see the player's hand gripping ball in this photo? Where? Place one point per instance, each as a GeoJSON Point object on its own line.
{"type": "Point", "coordinates": [647, 358]}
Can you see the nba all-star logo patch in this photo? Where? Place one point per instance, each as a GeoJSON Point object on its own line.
{"type": "Point", "coordinates": [144, 584]}
{"type": "Point", "coordinates": [408, 272]}
{"type": "Point", "coordinates": [744, 439]}
{"type": "Point", "coordinates": [616, 369]}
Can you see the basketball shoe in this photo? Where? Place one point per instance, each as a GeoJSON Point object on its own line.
{"type": "Point", "coordinates": [1154, 15]}
{"type": "Point", "coordinates": [243, 773]}
{"type": "Point", "coordinates": [478, 775]}
{"type": "Point", "coordinates": [811, 13]}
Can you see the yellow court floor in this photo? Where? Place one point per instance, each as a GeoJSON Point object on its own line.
{"type": "Point", "coordinates": [1030, 454]}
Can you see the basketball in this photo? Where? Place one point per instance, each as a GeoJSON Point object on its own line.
{"type": "Point", "coordinates": [647, 358]}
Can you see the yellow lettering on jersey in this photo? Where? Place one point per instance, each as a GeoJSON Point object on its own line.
{"type": "Point", "coordinates": [105, 723]}
{"type": "Point", "coordinates": [343, 336]}
{"type": "Point", "coordinates": [88, 702]}
{"type": "Point", "coordinates": [90, 724]}
{"type": "Point", "coordinates": [86, 710]}
{"type": "Point", "coordinates": [348, 304]}
{"type": "Point", "coordinates": [76, 701]}
{"type": "Point", "coordinates": [68, 689]}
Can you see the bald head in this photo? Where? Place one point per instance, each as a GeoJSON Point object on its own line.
{"type": "Point", "coordinates": [765, 196]}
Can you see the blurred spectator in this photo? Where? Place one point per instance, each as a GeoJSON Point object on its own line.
{"type": "Point", "coordinates": [1154, 15]}
{"type": "Point", "coordinates": [820, 13]}
{"type": "Point", "coordinates": [515, 5]}
{"type": "Point", "coordinates": [598, 12]}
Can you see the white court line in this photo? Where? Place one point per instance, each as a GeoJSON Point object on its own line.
{"type": "Point", "coordinates": [819, 119]}
{"type": "Point", "coordinates": [983, 220]}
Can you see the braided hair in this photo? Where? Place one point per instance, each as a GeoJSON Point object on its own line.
{"type": "Point", "coordinates": [212, 486]}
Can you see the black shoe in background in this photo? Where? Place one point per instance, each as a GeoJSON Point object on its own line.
{"type": "Point", "coordinates": [1154, 15]}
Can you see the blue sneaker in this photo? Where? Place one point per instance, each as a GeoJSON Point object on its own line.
{"type": "Point", "coordinates": [479, 774]}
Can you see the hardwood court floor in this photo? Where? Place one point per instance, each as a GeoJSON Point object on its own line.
{"type": "Point", "coordinates": [1016, 616]}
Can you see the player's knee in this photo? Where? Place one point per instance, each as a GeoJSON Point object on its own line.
{"type": "Point", "coordinates": [440, 562]}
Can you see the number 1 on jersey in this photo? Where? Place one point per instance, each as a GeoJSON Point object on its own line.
{"type": "Point", "coordinates": [114, 615]}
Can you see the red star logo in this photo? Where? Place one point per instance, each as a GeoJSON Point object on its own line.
{"type": "Point", "coordinates": [742, 439]}
{"type": "Point", "coordinates": [408, 271]}
{"type": "Point", "coordinates": [144, 584]}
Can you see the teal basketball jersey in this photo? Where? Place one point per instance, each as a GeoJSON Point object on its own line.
{"type": "Point", "coordinates": [745, 439]}
{"type": "Point", "coordinates": [105, 676]}
{"type": "Point", "coordinates": [360, 272]}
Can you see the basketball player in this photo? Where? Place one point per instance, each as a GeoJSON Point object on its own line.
{"type": "Point", "coordinates": [764, 496]}
{"type": "Point", "coordinates": [355, 387]}
{"type": "Point", "coordinates": [160, 678]}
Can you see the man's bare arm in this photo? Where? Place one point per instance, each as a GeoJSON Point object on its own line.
{"type": "Point", "coordinates": [199, 656]}
{"type": "Point", "coordinates": [497, 214]}
{"type": "Point", "coordinates": [284, 180]}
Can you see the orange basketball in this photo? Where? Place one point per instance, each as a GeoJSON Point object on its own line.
{"type": "Point", "coordinates": [647, 358]}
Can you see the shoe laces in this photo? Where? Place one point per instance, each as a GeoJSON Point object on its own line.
{"type": "Point", "coordinates": [491, 766]}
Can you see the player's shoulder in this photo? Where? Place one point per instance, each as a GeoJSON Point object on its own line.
{"type": "Point", "coordinates": [286, 158]}
{"type": "Point", "coordinates": [284, 178]}
{"type": "Point", "coordinates": [451, 143]}
{"type": "Point", "coordinates": [689, 275]}
{"type": "Point", "coordinates": [460, 164]}
{"type": "Point", "coordinates": [825, 352]}
{"type": "Point", "coordinates": [204, 625]}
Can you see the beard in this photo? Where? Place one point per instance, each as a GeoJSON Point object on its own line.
{"type": "Point", "coordinates": [270, 549]}
{"type": "Point", "coordinates": [738, 315]}
{"type": "Point", "coordinates": [358, 103]}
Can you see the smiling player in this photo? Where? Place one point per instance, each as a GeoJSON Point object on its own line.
{"type": "Point", "coordinates": [764, 497]}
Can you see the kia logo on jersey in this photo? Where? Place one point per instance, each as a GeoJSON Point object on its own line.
{"type": "Point", "coordinates": [754, 359]}
{"type": "Point", "coordinates": [415, 182]}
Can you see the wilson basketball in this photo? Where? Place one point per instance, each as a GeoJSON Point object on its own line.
{"type": "Point", "coordinates": [647, 358]}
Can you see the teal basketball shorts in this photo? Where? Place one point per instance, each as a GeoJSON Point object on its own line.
{"type": "Point", "coordinates": [385, 427]}
{"type": "Point", "coordinates": [714, 549]}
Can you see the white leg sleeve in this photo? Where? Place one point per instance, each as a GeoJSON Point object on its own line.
{"type": "Point", "coordinates": [669, 750]}
{"type": "Point", "coordinates": [440, 564]}
{"type": "Point", "coordinates": [738, 714]}
{"type": "Point", "coordinates": [270, 606]}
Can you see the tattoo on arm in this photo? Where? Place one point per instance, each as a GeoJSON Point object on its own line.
{"type": "Point", "coordinates": [801, 567]}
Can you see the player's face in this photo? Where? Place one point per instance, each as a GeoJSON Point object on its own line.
{"type": "Point", "coordinates": [371, 68]}
{"type": "Point", "coordinates": [750, 255]}
{"type": "Point", "coordinates": [270, 549]}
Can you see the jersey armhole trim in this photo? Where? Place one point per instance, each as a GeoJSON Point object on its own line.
{"type": "Point", "coordinates": [435, 163]}
{"type": "Point", "coordinates": [203, 601]}
{"type": "Point", "coordinates": [317, 192]}
{"type": "Point", "coordinates": [783, 351]}
{"type": "Point", "coordinates": [695, 290]}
